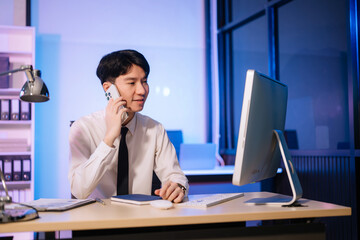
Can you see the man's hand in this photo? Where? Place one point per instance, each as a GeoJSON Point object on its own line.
{"type": "Point", "coordinates": [113, 120]}
{"type": "Point", "coordinates": [171, 191]}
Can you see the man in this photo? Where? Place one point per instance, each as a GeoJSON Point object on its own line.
{"type": "Point", "coordinates": [94, 139]}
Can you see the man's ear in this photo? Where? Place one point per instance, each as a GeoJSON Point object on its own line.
{"type": "Point", "coordinates": [106, 85]}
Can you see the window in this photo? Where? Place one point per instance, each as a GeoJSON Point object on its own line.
{"type": "Point", "coordinates": [300, 42]}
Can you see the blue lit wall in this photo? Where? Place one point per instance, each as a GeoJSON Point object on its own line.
{"type": "Point", "coordinates": [72, 36]}
{"type": "Point", "coordinates": [7, 13]}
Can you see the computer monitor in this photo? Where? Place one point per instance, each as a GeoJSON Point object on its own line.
{"type": "Point", "coordinates": [261, 143]}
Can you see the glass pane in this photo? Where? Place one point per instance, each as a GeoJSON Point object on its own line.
{"type": "Point", "coordinates": [313, 62]}
{"type": "Point", "coordinates": [250, 47]}
{"type": "Point", "coordinates": [242, 9]}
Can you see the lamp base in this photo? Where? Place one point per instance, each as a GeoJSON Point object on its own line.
{"type": "Point", "coordinates": [17, 215]}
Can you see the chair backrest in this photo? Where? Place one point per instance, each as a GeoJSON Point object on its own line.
{"type": "Point", "coordinates": [176, 138]}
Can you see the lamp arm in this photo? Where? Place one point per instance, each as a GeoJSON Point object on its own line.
{"type": "Point", "coordinates": [4, 199]}
{"type": "Point", "coordinates": [22, 68]}
{"type": "Point", "coordinates": [3, 182]}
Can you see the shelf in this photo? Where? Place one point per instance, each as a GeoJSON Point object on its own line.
{"type": "Point", "coordinates": [9, 91]}
{"type": "Point", "coordinates": [18, 44]}
{"type": "Point", "coordinates": [15, 122]}
{"type": "Point", "coordinates": [28, 153]}
{"type": "Point", "coordinates": [16, 29]}
{"type": "Point", "coordinates": [16, 185]}
{"type": "Point", "coordinates": [14, 52]}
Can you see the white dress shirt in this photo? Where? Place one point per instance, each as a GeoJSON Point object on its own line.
{"type": "Point", "coordinates": [93, 164]}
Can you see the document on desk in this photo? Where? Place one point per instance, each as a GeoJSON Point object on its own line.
{"type": "Point", "coordinates": [137, 199]}
{"type": "Point", "coordinates": [54, 205]}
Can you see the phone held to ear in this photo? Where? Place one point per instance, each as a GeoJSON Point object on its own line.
{"type": "Point", "coordinates": [113, 93]}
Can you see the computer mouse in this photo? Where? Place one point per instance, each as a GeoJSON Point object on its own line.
{"type": "Point", "coordinates": [161, 204]}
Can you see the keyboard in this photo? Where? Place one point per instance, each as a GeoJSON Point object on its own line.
{"type": "Point", "coordinates": [210, 200]}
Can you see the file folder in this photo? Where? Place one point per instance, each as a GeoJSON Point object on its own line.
{"type": "Point", "coordinates": [25, 110]}
{"type": "Point", "coordinates": [8, 169]}
{"type": "Point", "coordinates": [15, 197]}
{"type": "Point", "coordinates": [22, 195]}
{"type": "Point", "coordinates": [4, 109]}
{"type": "Point", "coordinates": [16, 170]}
{"type": "Point", "coordinates": [26, 169]}
{"type": "Point", "coordinates": [4, 67]}
{"type": "Point", "coordinates": [15, 105]}
{"type": "Point", "coordinates": [28, 195]}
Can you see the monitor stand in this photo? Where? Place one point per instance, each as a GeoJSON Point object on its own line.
{"type": "Point", "coordinates": [295, 185]}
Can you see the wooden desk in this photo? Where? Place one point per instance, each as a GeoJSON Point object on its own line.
{"type": "Point", "coordinates": [118, 216]}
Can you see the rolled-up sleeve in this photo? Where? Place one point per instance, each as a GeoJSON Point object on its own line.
{"type": "Point", "coordinates": [166, 163]}
{"type": "Point", "coordinates": [87, 165]}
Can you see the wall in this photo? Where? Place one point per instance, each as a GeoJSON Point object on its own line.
{"type": "Point", "coordinates": [7, 12]}
{"type": "Point", "coordinates": [13, 12]}
{"type": "Point", "coordinates": [72, 36]}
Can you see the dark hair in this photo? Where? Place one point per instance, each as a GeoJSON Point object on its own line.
{"type": "Point", "coordinates": [119, 63]}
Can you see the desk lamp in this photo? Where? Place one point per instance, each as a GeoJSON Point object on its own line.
{"type": "Point", "coordinates": [34, 90]}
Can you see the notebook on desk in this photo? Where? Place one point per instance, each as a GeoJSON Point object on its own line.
{"type": "Point", "coordinates": [137, 199]}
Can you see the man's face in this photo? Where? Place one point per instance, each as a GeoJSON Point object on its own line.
{"type": "Point", "coordinates": [133, 87]}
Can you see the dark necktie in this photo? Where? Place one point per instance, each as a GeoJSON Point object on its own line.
{"type": "Point", "coordinates": [123, 165]}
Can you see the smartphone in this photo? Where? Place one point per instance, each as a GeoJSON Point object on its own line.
{"type": "Point", "coordinates": [113, 93]}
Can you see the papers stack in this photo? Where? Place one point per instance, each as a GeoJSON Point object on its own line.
{"type": "Point", "coordinates": [14, 145]}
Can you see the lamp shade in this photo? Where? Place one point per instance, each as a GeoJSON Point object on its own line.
{"type": "Point", "coordinates": [34, 90]}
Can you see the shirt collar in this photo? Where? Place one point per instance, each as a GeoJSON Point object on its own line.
{"type": "Point", "coordinates": [132, 124]}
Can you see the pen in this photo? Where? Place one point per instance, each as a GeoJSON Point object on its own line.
{"type": "Point", "coordinates": [100, 201]}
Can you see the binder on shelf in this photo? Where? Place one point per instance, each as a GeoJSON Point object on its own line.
{"type": "Point", "coordinates": [26, 169]}
{"type": "Point", "coordinates": [4, 109]}
{"type": "Point", "coordinates": [15, 113]}
{"type": "Point", "coordinates": [25, 110]}
{"type": "Point", "coordinates": [4, 67]}
{"type": "Point", "coordinates": [15, 196]}
{"type": "Point", "coordinates": [1, 165]}
{"type": "Point", "coordinates": [8, 169]}
{"type": "Point", "coordinates": [16, 170]}
{"type": "Point", "coordinates": [22, 195]}
{"type": "Point", "coordinates": [28, 195]}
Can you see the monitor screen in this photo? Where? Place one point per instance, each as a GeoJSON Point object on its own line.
{"type": "Point", "coordinates": [261, 143]}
